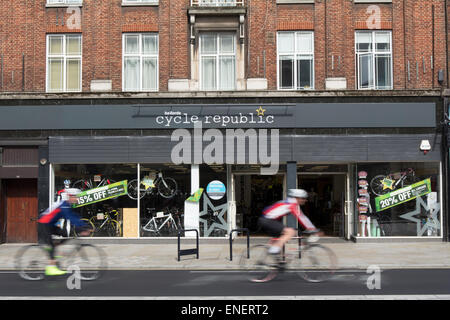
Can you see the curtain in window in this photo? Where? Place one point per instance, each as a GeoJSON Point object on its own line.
{"type": "Point", "coordinates": [73, 74]}
{"type": "Point", "coordinates": [227, 73]}
{"type": "Point", "coordinates": [208, 73]}
{"type": "Point", "coordinates": [55, 67]}
{"type": "Point", "coordinates": [132, 75]}
{"type": "Point", "coordinates": [149, 74]}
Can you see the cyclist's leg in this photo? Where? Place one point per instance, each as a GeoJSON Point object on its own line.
{"type": "Point", "coordinates": [286, 234]}
{"type": "Point", "coordinates": [275, 229]}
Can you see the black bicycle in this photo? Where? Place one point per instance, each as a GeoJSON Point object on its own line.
{"type": "Point", "coordinates": [31, 260]}
{"type": "Point", "coordinates": [310, 260]}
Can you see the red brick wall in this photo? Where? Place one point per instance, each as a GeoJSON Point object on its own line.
{"type": "Point", "coordinates": [24, 25]}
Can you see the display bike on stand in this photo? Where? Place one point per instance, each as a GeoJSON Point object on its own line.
{"type": "Point", "coordinates": [310, 260]}
{"type": "Point", "coordinates": [164, 223]}
{"type": "Point", "coordinates": [105, 223]}
{"type": "Point", "coordinates": [166, 187]}
{"type": "Point", "coordinates": [87, 184]}
{"type": "Point", "coordinates": [382, 184]}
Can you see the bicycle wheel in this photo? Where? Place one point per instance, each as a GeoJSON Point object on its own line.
{"type": "Point", "coordinates": [376, 184]}
{"type": "Point", "coordinates": [261, 267]}
{"type": "Point", "coordinates": [317, 263]}
{"type": "Point", "coordinates": [30, 262]}
{"type": "Point", "coordinates": [90, 260]}
{"type": "Point", "coordinates": [167, 188]}
{"type": "Point", "coordinates": [113, 228]}
{"type": "Point", "coordinates": [82, 184]}
{"type": "Point", "coordinates": [133, 190]}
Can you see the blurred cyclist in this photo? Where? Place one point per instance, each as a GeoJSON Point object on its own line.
{"type": "Point", "coordinates": [270, 220]}
{"type": "Point", "coordinates": [47, 224]}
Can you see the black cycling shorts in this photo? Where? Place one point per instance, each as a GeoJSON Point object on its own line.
{"type": "Point", "coordinates": [274, 228]}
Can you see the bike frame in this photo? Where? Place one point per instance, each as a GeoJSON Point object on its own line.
{"type": "Point", "coordinates": [153, 220]}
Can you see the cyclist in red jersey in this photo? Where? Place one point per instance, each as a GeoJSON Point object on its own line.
{"type": "Point", "coordinates": [270, 219]}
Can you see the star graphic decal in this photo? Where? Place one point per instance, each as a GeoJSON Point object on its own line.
{"type": "Point", "coordinates": [221, 210]}
{"type": "Point", "coordinates": [433, 222]}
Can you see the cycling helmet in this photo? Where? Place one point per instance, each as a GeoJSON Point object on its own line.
{"type": "Point", "coordinates": [297, 193]}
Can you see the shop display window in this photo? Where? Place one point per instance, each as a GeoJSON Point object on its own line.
{"type": "Point", "coordinates": [163, 190]}
{"type": "Point", "coordinates": [104, 202]}
{"type": "Point", "coordinates": [398, 199]}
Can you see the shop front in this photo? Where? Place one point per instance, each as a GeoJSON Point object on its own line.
{"type": "Point", "coordinates": [214, 168]}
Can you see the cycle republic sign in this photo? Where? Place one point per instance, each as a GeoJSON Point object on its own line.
{"type": "Point", "coordinates": [106, 192]}
{"type": "Point", "coordinates": [403, 195]}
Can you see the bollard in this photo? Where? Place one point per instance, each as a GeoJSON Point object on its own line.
{"type": "Point", "coordinates": [231, 242]}
{"type": "Point", "coordinates": [188, 251]}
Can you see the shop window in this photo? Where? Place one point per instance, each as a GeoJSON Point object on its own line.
{"type": "Point", "coordinates": [104, 202]}
{"type": "Point", "coordinates": [398, 199]}
{"type": "Point", "coordinates": [163, 190]}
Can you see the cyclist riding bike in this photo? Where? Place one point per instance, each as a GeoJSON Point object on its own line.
{"type": "Point", "coordinates": [48, 221]}
{"type": "Point", "coordinates": [270, 222]}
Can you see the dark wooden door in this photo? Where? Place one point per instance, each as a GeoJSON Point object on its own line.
{"type": "Point", "coordinates": [21, 210]}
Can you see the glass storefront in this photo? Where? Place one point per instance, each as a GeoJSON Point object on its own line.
{"type": "Point", "coordinates": [398, 200]}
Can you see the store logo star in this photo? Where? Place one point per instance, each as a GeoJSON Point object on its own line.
{"type": "Point", "coordinates": [260, 111]}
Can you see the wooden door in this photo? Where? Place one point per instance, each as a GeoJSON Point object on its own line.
{"type": "Point", "coordinates": [21, 210]}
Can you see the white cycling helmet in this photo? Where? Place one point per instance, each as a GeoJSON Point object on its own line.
{"type": "Point", "coordinates": [297, 193]}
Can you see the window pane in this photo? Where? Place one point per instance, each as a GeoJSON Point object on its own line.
{"type": "Point", "coordinates": [364, 41]}
{"type": "Point", "coordinates": [365, 71]}
{"type": "Point", "coordinates": [286, 66]}
{"type": "Point", "coordinates": [286, 42]}
{"type": "Point", "coordinates": [132, 44]}
{"type": "Point", "coordinates": [55, 45]}
{"type": "Point", "coordinates": [227, 73]}
{"type": "Point", "coordinates": [132, 74]}
{"type": "Point", "coordinates": [150, 44]}
{"type": "Point", "coordinates": [208, 43]}
{"type": "Point", "coordinates": [208, 73]}
{"type": "Point", "coordinates": [73, 68]}
{"type": "Point", "coordinates": [55, 74]}
{"type": "Point", "coordinates": [304, 42]}
{"type": "Point", "coordinates": [304, 73]}
{"type": "Point", "coordinates": [226, 43]}
{"type": "Point", "coordinates": [73, 45]}
{"type": "Point", "coordinates": [383, 41]}
{"type": "Point", "coordinates": [383, 70]}
{"type": "Point", "coordinates": [149, 80]}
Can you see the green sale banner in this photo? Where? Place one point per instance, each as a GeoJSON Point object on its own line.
{"type": "Point", "coordinates": [109, 191]}
{"type": "Point", "coordinates": [403, 195]}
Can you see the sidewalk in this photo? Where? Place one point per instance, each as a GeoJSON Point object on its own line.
{"type": "Point", "coordinates": [216, 256]}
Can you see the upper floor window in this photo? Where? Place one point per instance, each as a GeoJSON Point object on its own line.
{"type": "Point", "coordinates": [140, 1]}
{"type": "Point", "coordinates": [65, 2]}
{"type": "Point", "coordinates": [217, 3]}
{"type": "Point", "coordinates": [295, 51]}
{"type": "Point", "coordinates": [140, 62]}
{"type": "Point", "coordinates": [217, 61]}
{"type": "Point", "coordinates": [64, 63]}
{"type": "Point", "coordinates": [374, 59]}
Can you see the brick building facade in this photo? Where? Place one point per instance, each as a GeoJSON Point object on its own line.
{"type": "Point", "coordinates": [350, 88]}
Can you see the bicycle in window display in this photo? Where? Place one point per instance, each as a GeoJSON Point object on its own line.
{"type": "Point", "coordinates": [382, 184]}
{"type": "Point", "coordinates": [164, 222]}
{"type": "Point", "coordinates": [165, 186]}
{"type": "Point", "coordinates": [87, 184]}
{"type": "Point", "coordinates": [105, 223]}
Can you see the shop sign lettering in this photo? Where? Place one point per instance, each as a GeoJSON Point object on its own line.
{"type": "Point", "coordinates": [403, 195]}
{"type": "Point", "coordinates": [109, 191]}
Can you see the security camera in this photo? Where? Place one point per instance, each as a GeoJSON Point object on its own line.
{"type": "Point", "coordinates": [425, 146]}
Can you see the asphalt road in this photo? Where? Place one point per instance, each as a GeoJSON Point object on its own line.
{"type": "Point", "coordinates": [229, 284]}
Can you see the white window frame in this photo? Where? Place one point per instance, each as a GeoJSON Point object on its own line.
{"type": "Point", "coordinates": [140, 2]}
{"type": "Point", "coordinates": [217, 56]}
{"type": "Point", "coordinates": [296, 54]}
{"type": "Point", "coordinates": [141, 57]}
{"type": "Point", "coordinates": [65, 57]}
{"type": "Point", "coordinates": [64, 2]}
{"type": "Point", "coordinates": [373, 52]}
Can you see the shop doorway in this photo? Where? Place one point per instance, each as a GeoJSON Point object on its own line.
{"type": "Point", "coordinates": [21, 210]}
{"type": "Point", "coordinates": [252, 194]}
{"type": "Point", "coordinates": [326, 202]}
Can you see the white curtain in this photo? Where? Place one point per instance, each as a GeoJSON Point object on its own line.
{"type": "Point", "coordinates": [227, 73]}
{"type": "Point", "coordinates": [149, 74]}
{"type": "Point", "coordinates": [208, 73]}
{"type": "Point", "coordinates": [132, 75]}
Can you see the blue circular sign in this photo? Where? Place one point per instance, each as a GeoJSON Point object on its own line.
{"type": "Point", "coordinates": [216, 190]}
